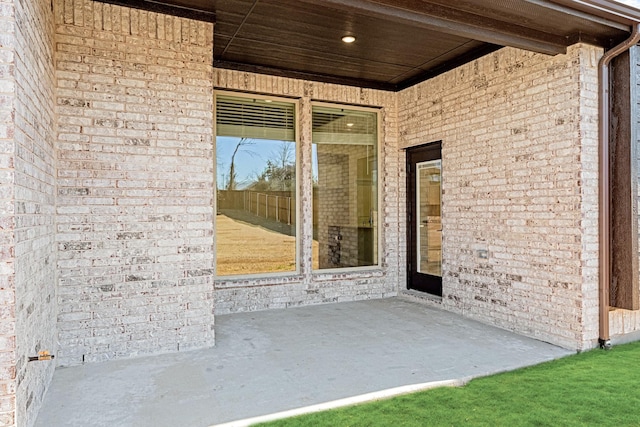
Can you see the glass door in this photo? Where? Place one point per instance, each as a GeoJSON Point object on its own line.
{"type": "Point", "coordinates": [424, 166]}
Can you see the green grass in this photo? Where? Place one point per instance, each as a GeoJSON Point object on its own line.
{"type": "Point", "coordinates": [595, 388]}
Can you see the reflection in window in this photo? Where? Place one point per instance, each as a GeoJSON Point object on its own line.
{"type": "Point", "coordinates": [345, 188]}
{"type": "Point", "coordinates": [429, 232]}
{"type": "Point", "coordinates": [256, 186]}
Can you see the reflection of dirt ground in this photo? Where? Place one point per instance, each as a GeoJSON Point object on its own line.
{"type": "Point", "coordinates": [244, 248]}
{"type": "Point", "coordinates": [252, 219]}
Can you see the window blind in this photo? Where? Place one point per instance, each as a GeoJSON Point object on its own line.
{"type": "Point", "coordinates": [344, 126]}
{"type": "Point", "coordinates": [255, 118]}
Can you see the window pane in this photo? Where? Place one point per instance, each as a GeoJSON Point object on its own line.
{"type": "Point", "coordinates": [345, 188]}
{"type": "Point", "coordinates": [429, 224]}
{"type": "Point", "coordinates": [256, 189]}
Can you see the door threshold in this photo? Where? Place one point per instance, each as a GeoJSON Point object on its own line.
{"type": "Point", "coordinates": [422, 297]}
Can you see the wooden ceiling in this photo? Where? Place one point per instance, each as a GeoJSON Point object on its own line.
{"type": "Point", "coordinates": [398, 42]}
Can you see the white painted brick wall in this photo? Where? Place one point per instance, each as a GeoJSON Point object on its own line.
{"type": "Point", "coordinates": [27, 161]}
{"type": "Point", "coordinates": [519, 180]}
{"type": "Point", "coordinates": [588, 119]}
{"type": "Point", "coordinates": [308, 287]}
{"type": "Point", "coordinates": [7, 218]}
{"type": "Point", "coordinates": [35, 246]}
{"type": "Point", "coordinates": [135, 182]}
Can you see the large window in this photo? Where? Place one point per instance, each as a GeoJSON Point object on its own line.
{"type": "Point", "coordinates": [256, 185]}
{"type": "Point", "coordinates": [345, 187]}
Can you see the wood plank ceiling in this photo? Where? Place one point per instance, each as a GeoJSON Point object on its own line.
{"type": "Point", "coordinates": [398, 42]}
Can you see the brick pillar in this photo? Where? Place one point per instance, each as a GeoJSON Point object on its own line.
{"type": "Point", "coordinates": [135, 182]}
{"type": "Point", "coordinates": [27, 198]}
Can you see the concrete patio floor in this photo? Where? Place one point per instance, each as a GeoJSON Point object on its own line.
{"type": "Point", "coordinates": [272, 361]}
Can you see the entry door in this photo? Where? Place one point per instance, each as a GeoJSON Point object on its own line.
{"type": "Point", "coordinates": [424, 193]}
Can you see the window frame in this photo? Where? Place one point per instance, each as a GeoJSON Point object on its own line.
{"type": "Point", "coordinates": [379, 164]}
{"type": "Point", "coordinates": [298, 184]}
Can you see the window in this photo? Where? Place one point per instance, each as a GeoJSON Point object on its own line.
{"type": "Point", "coordinates": [256, 185]}
{"type": "Point", "coordinates": [345, 187]}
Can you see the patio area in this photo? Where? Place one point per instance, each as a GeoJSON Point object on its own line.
{"type": "Point", "coordinates": [272, 361]}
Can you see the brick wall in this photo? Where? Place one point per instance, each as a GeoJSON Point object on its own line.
{"type": "Point", "coordinates": [27, 198]}
{"type": "Point", "coordinates": [35, 246]}
{"type": "Point", "coordinates": [519, 148]}
{"type": "Point", "coordinates": [308, 287]}
{"type": "Point", "coordinates": [587, 62]}
{"type": "Point", "coordinates": [7, 218]}
{"type": "Point", "coordinates": [135, 182]}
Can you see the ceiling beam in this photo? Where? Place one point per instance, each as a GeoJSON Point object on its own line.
{"type": "Point", "coordinates": [562, 6]}
{"type": "Point", "coordinates": [606, 9]}
{"type": "Point", "coordinates": [451, 21]}
{"type": "Point", "coordinates": [348, 81]}
{"type": "Point", "coordinates": [166, 8]}
{"type": "Point", "coordinates": [304, 75]}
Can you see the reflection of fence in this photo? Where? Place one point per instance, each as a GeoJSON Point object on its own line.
{"type": "Point", "coordinates": [274, 205]}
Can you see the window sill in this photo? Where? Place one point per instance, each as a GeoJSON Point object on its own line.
{"type": "Point", "coordinates": [257, 280]}
{"type": "Point", "coordinates": [278, 279]}
{"type": "Point", "coordinates": [348, 273]}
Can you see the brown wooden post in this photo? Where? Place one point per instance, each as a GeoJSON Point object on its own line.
{"type": "Point", "coordinates": [623, 159]}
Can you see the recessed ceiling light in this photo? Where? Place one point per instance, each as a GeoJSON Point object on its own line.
{"type": "Point", "coordinates": [349, 125]}
{"type": "Point", "coordinates": [348, 39]}
{"type": "Point", "coordinates": [267, 100]}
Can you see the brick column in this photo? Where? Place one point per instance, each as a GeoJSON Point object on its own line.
{"type": "Point", "coordinates": [27, 198]}
{"type": "Point", "coordinates": [135, 182]}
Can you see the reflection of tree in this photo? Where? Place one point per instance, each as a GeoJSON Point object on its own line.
{"type": "Point", "coordinates": [285, 155]}
{"type": "Point", "coordinates": [222, 177]}
{"type": "Point", "coordinates": [280, 172]}
{"type": "Point", "coordinates": [231, 183]}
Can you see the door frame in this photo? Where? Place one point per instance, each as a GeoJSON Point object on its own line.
{"type": "Point", "coordinates": [418, 281]}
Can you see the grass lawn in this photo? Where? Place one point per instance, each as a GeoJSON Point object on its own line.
{"type": "Point", "coordinates": [596, 388]}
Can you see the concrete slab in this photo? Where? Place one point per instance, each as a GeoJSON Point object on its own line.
{"type": "Point", "coordinates": [273, 361]}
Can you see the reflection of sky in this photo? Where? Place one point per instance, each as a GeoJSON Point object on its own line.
{"type": "Point", "coordinates": [634, 3]}
{"type": "Point", "coordinates": [250, 161]}
{"type": "Point", "coordinates": [315, 163]}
